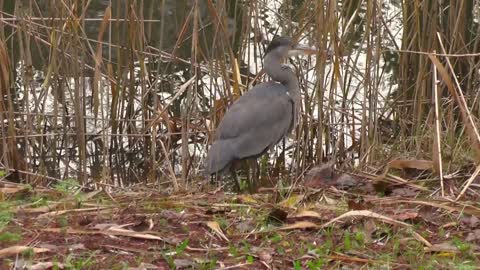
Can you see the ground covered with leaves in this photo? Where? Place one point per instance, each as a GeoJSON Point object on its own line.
{"type": "Point", "coordinates": [367, 227]}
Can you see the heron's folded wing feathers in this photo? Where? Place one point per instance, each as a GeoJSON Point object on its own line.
{"type": "Point", "coordinates": [262, 106]}
{"type": "Point", "coordinates": [257, 121]}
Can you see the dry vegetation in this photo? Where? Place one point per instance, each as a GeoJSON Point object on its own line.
{"type": "Point", "coordinates": [122, 97]}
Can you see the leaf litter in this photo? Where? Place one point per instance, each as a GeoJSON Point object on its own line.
{"type": "Point", "coordinates": [316, 229]}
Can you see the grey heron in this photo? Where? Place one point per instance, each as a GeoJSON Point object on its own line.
{"type": "Point", "coordinates": [263, 116]}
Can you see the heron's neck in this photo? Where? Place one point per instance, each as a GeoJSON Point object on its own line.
{"type": "Point", "coordinates": [273, 67]}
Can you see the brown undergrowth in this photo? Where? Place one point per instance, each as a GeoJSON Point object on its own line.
{"type": "Point", "coordinates": [370, 226]}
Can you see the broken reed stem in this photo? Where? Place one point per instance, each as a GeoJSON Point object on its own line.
{"type": "Point", "coordinates": [437, 153]}
{"type": "Point", "coordinates": [467, 116]}
{"type": "Point", "coordinates": [169, 165]}
{"type": "Point", "coordinates": [469, 182]}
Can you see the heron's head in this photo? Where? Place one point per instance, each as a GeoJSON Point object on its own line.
{"type": "Point", "coordinates": [283, 47]}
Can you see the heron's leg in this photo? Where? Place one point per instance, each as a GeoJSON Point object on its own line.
{"type": "Point", "coordinates": [281, 168]}
{"type": "Point", "coordinates": [252, 183]}
{"type": "Point", "coordinates": [256, 175]}
{"type": "Point", "coordinates": [248, 171]}
{"type": "Point", "coordinates": [235, 178]}
{"type": "Point", "coordinates": [212, 178]}
{"type": "Point", "coordinates": [218, 178]}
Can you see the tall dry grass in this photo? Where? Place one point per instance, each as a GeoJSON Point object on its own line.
{"type": "Point", "coordinates": [121, 92]}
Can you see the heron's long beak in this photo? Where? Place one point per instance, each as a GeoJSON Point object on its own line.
{"type": "Point", "coordinates": [302, 49]}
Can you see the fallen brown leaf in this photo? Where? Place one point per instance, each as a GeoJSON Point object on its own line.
{"type": "Point", "coordinates": [46, 265]}
{"type": "Point", "coordinates": [473, 236]}
{"type": "Point", "coordinates": [62, 212]}
{"type": "Point", "coordinates": [291, 201]}
{"type": "Point", "coordinates": [265, 255]}
{"type": "Point", "coordinates": [359, 205]}
{"type": "Point", "coordinates": [6, 252]}
{"type": "Point", "coordinates": [405, 216]}
{"type": "Point", "coordinates": [472, 221]}
{"type": "Point", "coordinates": [320, 176]}
{"type": "Point", "coordinates": [444, 247]}
{"type": "Point", "coordinates": [404, 192]}
{"type": "Point", "coordinates": [11, 190]}
{"type": "Point", "coordinates": [216, 228]}
{"type": "Point", "coordinates": [411, 164]}
{"type": "Point", "coordinates": [277, 215]}
{"type": "Point", "coordinates": [305, 214]}
{"type": "Point", "coordinates": [299, 225]}
{"type": "Point", "coordinates": [111, 231]}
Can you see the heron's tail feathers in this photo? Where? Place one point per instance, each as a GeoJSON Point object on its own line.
{"type": "Point", "coordinates": [219, 157]}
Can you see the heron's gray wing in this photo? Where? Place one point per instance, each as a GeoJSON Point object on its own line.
{"type": "Point", "coordinates": [255, 108]}
{"type": "Point", "coordinates": [257, 121]}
